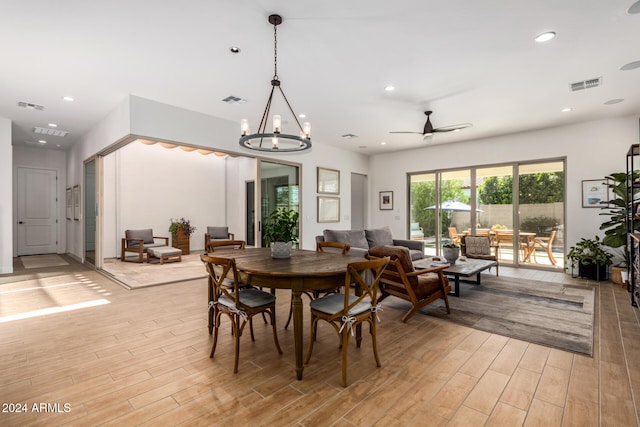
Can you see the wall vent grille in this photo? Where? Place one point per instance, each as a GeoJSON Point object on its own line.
{"type": "Point", "coordinates": [585, 84]}
{"type": "Point", "coordinates": [52, 132]}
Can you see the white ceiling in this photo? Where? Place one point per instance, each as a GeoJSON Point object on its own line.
{"type": "Point", "coordinates": [467, 60]}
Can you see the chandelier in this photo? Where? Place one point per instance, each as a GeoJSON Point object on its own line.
{"type": "Point", "coordinates": [275, 141]}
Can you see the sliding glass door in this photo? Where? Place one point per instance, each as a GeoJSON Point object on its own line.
{"type": "Point", "coordinates": [279, 188]}
{"type": "Point", "coordinates": [523, 217]}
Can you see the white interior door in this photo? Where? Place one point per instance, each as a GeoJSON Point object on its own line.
{"type": "Point", "coordinates": [37, 211]}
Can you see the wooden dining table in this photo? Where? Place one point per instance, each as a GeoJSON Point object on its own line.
{"type": "Point", "coordinates": [304, 271]}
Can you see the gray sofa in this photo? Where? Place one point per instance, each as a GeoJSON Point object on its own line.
{"type": "Point", "coordinates": [361, 240]}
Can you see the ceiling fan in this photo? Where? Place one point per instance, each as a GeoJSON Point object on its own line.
{"type": "Point", "coordinates": [429, 130]}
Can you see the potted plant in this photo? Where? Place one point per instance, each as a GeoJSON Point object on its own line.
{"type": "Point", "coordinates": [181, 230]}
{"type": "Point", "coordinates": [591, 258]}
{"type": "Point", "coordinates": [450, 252]}
{"type": "Point", "coordinates": [280, 230]}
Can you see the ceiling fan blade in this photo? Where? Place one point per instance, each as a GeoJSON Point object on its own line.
{"type": "Point", "coordinates": [452, 127]}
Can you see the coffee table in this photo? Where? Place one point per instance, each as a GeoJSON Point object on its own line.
{"type": "Point", "coordinates": [466, 268]}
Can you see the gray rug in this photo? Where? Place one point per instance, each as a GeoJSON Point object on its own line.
{"type": "Point", "coordinates": [550, 314]}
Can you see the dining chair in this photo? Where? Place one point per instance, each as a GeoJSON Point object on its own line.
{"type": "Point", "coordinates": [342, 248]}
{"type": "Point", "coordinates": [345, 311]}
{"type": "Point", "coordinates": [546, 244]}
{"type": "Point", "coordinates": [238, 303]}
{"type": "Point", "coordinates": [454, 235]}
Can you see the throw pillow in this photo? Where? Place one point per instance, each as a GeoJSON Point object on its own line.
{"type": "Point", "coordinates": [355, 238]}
{"type": "Point", "coordinates": [379, 237]}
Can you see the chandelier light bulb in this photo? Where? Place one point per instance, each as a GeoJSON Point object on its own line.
{"type": "Point", "coordinates": [274, 142]}
{"type": "Point", "coordinates": [244, 127]}
{"type": "Point", "coordinates": [306, 128]}
{"type": "Point", "coordinates": [277, 123]}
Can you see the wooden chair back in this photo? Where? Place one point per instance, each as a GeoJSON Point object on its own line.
{"type": "Point", "coordinates": [343, 247]}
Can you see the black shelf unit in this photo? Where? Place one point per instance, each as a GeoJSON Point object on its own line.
{"type": "Point", "coordinates": [633, 217]}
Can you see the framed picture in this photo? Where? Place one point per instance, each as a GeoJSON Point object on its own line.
{"type": "Point", "coordinates": [328, 209]}
{"type": "Point", "coordinates": [328, 181]}
{"type": "Point", "coordinates": [76, 202]}
{"type": "Point", "coordinates": [386, 200]}
{"type": "Point", "coordinates": [69, 204]}
{"type": "Point", "coordinates": [595, 193]}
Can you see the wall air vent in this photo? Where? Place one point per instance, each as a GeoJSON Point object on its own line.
{"type": "Point", "coordinates": [586, 84]}
{"type": "Point", "coordinates": [30, 106]}
{"type": "Point", "coordinates": [234, 100]}
{"type": "Point", "coordinates": [52, 132]}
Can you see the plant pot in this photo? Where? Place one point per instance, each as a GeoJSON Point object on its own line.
{"type": "Point", "coordinates": [181, 240]}
{"type": "Point", "coordinates": [596, 272]}
{"type": "Point", "coordinates": [280, 250]}
{"type": "Point", "coordinates": [451, 254]}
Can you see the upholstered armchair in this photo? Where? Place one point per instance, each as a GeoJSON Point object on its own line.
{"type": "Point", "coordinates": [479, 247]}
{"type": "Point", "coordinates": [138, 241]}
{"type": "Point", "coordinates": [217, 233]}
{"type": "Point", "coordinates": [400, 279]}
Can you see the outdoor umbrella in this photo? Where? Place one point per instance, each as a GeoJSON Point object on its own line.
{"type": "Point", "coordinates": [453, 206]}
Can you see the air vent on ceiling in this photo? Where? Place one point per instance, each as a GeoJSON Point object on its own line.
{"type": "Point", "coordinates": [234, 100]}
{"type": "Point", "coordinates": [30, 106]}
{"type": "Point", "coordinates": [586, 84]}
{"type": "Point", "coordinates": [52, 132]}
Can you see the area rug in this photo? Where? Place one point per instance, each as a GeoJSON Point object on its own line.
{"type": "Point", "coordinates": [550, 314]}
{"type": "Point", "coordinates": [42, 261]}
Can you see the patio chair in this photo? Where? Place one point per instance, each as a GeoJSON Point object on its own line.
{"type": "Point", "coordinates": [454, 235]}
{"type": "Point", "coordinates": [546, 244]}
{"type": "Point", "coordinates": [138, 241]}
{"type": "Point", "coordinates": [217, 233]}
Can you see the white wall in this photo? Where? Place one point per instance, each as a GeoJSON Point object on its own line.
{"type": "Point", "coordinates": [593, 149]}
{"type": "Point", "coordinates": [6, 199]}
{"type": "Point", "coordinates": [41, 158]}
{"type": "Point", "coordinates": [239, 171]}
{"type": "Point", "coordinates": [148, 185]}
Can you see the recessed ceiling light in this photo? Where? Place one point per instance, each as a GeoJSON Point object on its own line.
{"type": "Point", "coordinates": [630, 66]}
{"type": "Point", "coordinates": [58, 145]}
{"type": "Point", "coordinates": [234, 49]}
{"type": "Point", "coordinates": [614, 101]}
{"type": "Point", "coordinates": [53, 125]}
{"type": "Point", "coordinates": [389, 88]}
{"type": "Point", "coordinates": [383, 143]}
{"type": "Point", "coordinates": [566, 110]}
{"type": "Point", "coordinates": [545, 37]}
{"type": "Point", "coordinates": [42, 141]}
{"type": "Point", "coordinates": [302, 115]}
{"type": "Point", "coordinates": [68, 98]}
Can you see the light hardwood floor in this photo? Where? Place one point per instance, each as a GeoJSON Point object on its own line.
{"type": "Point", "coordinates": [141, 357]}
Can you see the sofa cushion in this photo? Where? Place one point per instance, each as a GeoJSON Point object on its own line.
{"type": "Point", "coordinates": [379, 237]}
{"type": "Point", "coordinates": [399, 253]}
{"type": "Point", "coordinates": [146, 235]}
{"type": "Point", "coordinates": [355, 238]}
{"type": "Point", "coordinates": [477, 245]}
{"type": "Point", "coordinates": [218, 232]}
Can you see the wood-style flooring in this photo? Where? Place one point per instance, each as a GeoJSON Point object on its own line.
{"type": "Point", "coordinates": [79, 349]}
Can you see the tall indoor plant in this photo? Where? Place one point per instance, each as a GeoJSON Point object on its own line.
{"type": "Point", "coordinates": [181, 231]}
{"type": "Point", "coordinates": [280, 230]}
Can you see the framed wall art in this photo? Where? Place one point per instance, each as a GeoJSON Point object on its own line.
{"type": "Point", "coordinates": [69, 203]}
{"type": "Point", "coordinates": [328, 209]}
{"type": "Point", "coordinates": [386, 200]}
{"type": "Point", "coordinates": [328, 181]}
{"type": "Point", "coordinates": [595, 193]}
{"type": "Point", "coordinates": [76, 202]}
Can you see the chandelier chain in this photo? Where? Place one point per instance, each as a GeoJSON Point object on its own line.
{"type": "Point", "coordinates": [275, 52]}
